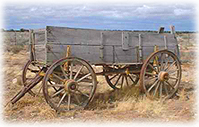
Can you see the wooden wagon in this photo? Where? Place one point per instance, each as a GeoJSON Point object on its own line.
{"type": "Point", "coordinates": [63, 59]}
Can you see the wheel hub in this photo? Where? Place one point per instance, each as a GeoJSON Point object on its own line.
{"type": "Point", "coordinates": [70, 85]}
{"type": "Point", "coordinates": [163, 76]}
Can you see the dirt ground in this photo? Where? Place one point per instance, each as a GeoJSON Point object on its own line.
{"type": "Point", "coordinates": [122, 108]}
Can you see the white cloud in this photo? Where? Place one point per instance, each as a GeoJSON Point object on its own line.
{"type": "Point", "coordinates": [84, 7]}
{"type": "Point", "coordinates": [181, 12]}
{"type": "Point", "coordinates": [33, 9]}
{"type": "Point", "coordinates": [107, 11]}
{"type": "Point", "coordinates": [89, 13]}
{"type": "Point", "coordinates": [144, 9]}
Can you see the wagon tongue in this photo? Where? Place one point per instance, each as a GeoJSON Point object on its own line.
{"type": "Point", "coordinates": [27, 88]}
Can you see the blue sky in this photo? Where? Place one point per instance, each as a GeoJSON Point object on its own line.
{"type": "Point", "coordinates": [107, 16]}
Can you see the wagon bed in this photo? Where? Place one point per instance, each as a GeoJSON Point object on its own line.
{"type": "Point", "coordinates": [98, 46]}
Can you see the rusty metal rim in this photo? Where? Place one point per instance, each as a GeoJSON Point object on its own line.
{"type": "Point", "coordinates": [51, 69]}
{"type": "Point", "coordinates": [143, 69]}
{"type": "Point", "coordinates": [24, 79]}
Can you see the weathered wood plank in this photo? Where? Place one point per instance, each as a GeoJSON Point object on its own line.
{"type": "Point", "coordinates": [40, 53]}
{"type": "Point", "coordinates": [157, 39]}
{"type": "Point", "coordinates": [39, 30]}
{"type": "Point", "coordinates": [66, 35]}
{"type": "Point", "coordinates": [125, 40]}
{"type": "Point", "coordinates": [89, 53]}
{"type": "Point", "coordinates": [127, 56]}
{"type": "Point", "coordinates": [150, 50]}
{"type": "Point", "coordinates": [74, 36]}
{"type": "Point", "coordinates": [40, 38]}
{"type": "Point", "coordinates": [95, 47]}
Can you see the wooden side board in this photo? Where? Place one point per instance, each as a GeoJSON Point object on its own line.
{"type": "Point", "coordinates": [100, 46]}
{"type": "Point", "coordinates": [38, 42]}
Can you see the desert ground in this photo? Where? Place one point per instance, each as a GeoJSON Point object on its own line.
{"type": "Point", "coordinates": [126, 104]}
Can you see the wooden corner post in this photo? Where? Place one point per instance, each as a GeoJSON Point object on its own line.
{"type": "Point", "coordinates": [68, 53]}
{"type": "Point", "coordinates": [32, 45]}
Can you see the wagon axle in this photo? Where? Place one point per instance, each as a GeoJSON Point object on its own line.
{"type": "Point", "coordinates": [70, 85]}
{"type": "Point", "coordinates": [163, 76]}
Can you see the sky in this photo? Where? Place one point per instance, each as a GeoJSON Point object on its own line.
{"type": "Point", "coordinates": [101, 16]}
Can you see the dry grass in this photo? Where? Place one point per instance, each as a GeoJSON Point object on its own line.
{"type": "Point", "coordinates": [126, 104]}
{"type": "Point", "coordinates": [181, 109]}
{"type": "Point", "coordinates": [15, 48]}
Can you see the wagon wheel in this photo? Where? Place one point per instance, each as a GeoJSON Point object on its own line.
{"type": "Point", "coordinates": [28, 74]}
{"type": "Point", "coordinates": [121, 80]}
{"type": "Point", "coordinates": [72, 87]}
{"type": "Point", "coordinates": [160, 75]}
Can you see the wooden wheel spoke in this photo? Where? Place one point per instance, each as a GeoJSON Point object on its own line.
{"type": "Point", "coordinates": [78, 72]}
{"type": "Point", "coordinates": [85, 76]}
{"type": "Point", "coordinates": [152, 78]}
{"type": "Point", "coordinates": [63, 71]}
{"type": "Point", "coordinates": [161, 63]}
{"type": "Point", "coordinates": [168, 67]}
{"type": "Point", "coordinates": [156, 81]}
{"type": "Point", "coordinates": [172, 72]}
{"type": "Point", "coordinates": [69, 98]}
{"type": "Point", "coordinates": [122, 81]}
{"type": "Point", "coordinates": [31, 93]}
{"type": "Point", "coordinates": [113, 77]}
{"type": "Point", "coordinates": [148, 73]}
{"type": "Point", "coordinates": [167, 60]}
{"type": "Point", "coordinates": [156, 89]}
{"type": "Point", "coordinates": [87, 85]}
{"type": "Point", "coordinates": [126, 80]}
{"type": "Point", "coordinates": [152, 68]}
{"type": "Point", "coordinates": [54, 75]}
{"type": "Point", "coordinates": [157, 63]}
{"type": "Point", "coordinates": [170, 77]}
{"type": "Point", "coordinates": [160, 90]}
{"type": "Point", "coordinates": [87, 80]}
{"type": "Point", "coordinates": [76, 98]}
{"type": "Point", "coordinates": [117, 80]}
{"type": "Point", "coordinates": [62, 98]}
{"type": "Point", "coordinates": [165, 87]}
{"type": "Point", "coordinates": [132, 79]}
{"type": "Point", "coordinates": [52, 85]}
{"type": "Point", "coordinates": [71, 70]}
{"type": "Point", "coordinates": [56, 85]}
{"type": "Point", "coordinates": [40, 88]}
{"type": "Point", "coordinates": [57, 92]}
{"type": "Point", "coordinates": [83, 93]}
{"type": "Point", "coordinates": [169, 84]}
